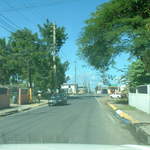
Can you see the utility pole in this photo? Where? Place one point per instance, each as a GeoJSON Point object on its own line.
{"type": "Point", "coordinates": [30, 80]}
{"type": "Point", "coordinates": [54, 56]}
{"type": "Point", "coordinates": [89, 87]}
{"type": "Point", "coordinates": [75, 73]}
{"type": "Point", "coordinates": [30, 85]}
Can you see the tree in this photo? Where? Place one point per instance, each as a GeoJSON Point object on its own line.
{"type": "Point", "coordinates": [46, 39]}
{"type": "Point", "coordinates": [117, 26]}
{"type": "Point", "coordinates": [26, 57]}
{"type": "Point", "coordinates": [5, 72]}
{"type": "Point", "coordinates": [24, 52]}
{"type": "Point", "coordinates": [137, 75]}
{"type": "Point", "coordinates": [61, 69]}
{"type": "Point", "coordinates": [46, 32]}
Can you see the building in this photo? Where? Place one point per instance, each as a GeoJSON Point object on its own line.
{"type": "Point", "coordinates": [113, 89]}
{"type": "Point", "coordinates": [70, 88]}
{"type": "Point", "coordinates": [82, 90]}
{"type": "Point", "coordinates": [101, 90]}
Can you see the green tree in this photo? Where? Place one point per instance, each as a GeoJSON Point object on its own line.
{"type": "Point", "coordinates": [46, 30]}
{"type": "Point", "coordinates": [137, 75]}
{"type": "Point", "coordinates": [24, 51]}
{"type": "Point", "coordinates": [28, 58]}
{"type": "Point", "coordinates": [5, 71]}
{"type": "Point", "coordinates": [117, 26]}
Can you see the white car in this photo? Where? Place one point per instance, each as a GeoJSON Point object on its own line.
{"type": "Point", "coordinates": [115, 95]}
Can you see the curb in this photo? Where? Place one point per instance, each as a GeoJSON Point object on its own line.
{"type": "Point", "coordinates": [134, 124]}
{"type": "Point", "coordinates": [20, 110]}
{"type": "Point", "coordinates": [8, 113]}
{"type": "Point", "coordinates": [124, 116]}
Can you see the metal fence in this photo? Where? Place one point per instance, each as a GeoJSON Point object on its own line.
{"type": "Point", "coordinates": [4, 98]}
{"type": "Point", "coordinates": [3, 91]}
{"type": "Point", "coordinates": [142, 89]}
{"type": "Point", "coordinates": [13, 94]}
{"type": "Point", "coordinates": [140, 98]}
{"type": "Point", "coordinates": [132, 90]}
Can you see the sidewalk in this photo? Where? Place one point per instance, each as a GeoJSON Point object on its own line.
{"type": "Point", "coordinates": [14, 108]}
{"type": "Point", "coordinates": [139, 120]}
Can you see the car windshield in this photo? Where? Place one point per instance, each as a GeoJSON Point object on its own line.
{"type": "Point", "coordinates": [75, 72]}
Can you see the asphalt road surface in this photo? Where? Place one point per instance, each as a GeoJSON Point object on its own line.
{"type": "Point", "coordinates": [83, 121]}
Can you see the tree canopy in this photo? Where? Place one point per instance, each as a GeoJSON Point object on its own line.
{"type": "Point", "coordinates": [27, 57]}
{"type": "Point", "coordinates": [117, 26]}
{"type": "Point", "coordinates": [137, 75]}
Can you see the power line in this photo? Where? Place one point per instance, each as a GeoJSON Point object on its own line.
{"type": "Point", "coordinates": [6, 24]}
{"type": "Point", "coordinates": [37, 10]}
{"type": "Point", "coordinates": [13, 8]}
{"type": "Point", "coordinates": [38, 6]}
{"type": "Point", "coordinates": [10, 21]}
{"type": "Point", "coordinates": [5, 28]}
{"type": "Point", "coordinates": [62, 54]}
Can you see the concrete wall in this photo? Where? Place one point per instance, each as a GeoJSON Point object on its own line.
{"type": "Point", "coordinates": [4, 98]}
{"type": "Point", "coordinates": [23, 97]}
{"type": "Point", "coordinates": [72, 88]}
{"type": "Point", "coordinates": [140, 100]}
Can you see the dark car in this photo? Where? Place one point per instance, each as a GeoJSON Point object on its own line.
{"type": "Point", "coordinates": [64, 99]}
{"type": "Point", "coordinates": [53, 100]}
{"type": "Point", "coordinates": [58, 99]}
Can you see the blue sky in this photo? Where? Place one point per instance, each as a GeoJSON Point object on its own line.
{"type": "Point", "coordinates": [68, 13]}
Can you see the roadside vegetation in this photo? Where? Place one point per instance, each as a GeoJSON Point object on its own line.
{"type": "Point", "coordinates": [119, 26]}
{"type": "Point", "coordinates": [26, 58]}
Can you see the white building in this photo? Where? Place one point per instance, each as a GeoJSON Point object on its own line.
{"type": "Point", "coordinates": [70, 88]}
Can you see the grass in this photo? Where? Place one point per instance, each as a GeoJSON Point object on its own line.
{"type": "Point", "coordinates": [126, 107]}
{"type": "Point", "coordinates": [121, 101]}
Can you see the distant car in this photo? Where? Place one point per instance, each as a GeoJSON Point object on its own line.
{"type": "Point", "coordinates": [64, 99]}
{"type": "Point", "coordinates": [52, 101]}
{"type": "Point", "coordinates": [58, 99]}
{"type": "Point", "coordinates": [115, 95]}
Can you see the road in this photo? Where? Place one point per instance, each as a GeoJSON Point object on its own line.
{"type": "Point", "coordinates": [83, 121]}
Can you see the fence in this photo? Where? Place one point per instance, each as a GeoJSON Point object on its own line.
{"type": "Point", "coordinates": [18, 95]}
{"type": "Point", "coordinates": [140, 98]}
{"type": "Point", "coordinates": [13, 94]}
{"type": "Point", "coordinates": [4, 98]}
{"type": "Point", "coordinates": [23, 97]}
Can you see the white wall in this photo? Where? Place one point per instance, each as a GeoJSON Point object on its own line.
{"type": "Point", "coordinates": [140, 101]}
{"type": "Point", "coordinates": [71, 88]}
{"type": "Point", "coordinates": [74, 89]}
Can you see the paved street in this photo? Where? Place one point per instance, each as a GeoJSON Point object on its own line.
{"type": "Point", "coordinates": [84, 121]}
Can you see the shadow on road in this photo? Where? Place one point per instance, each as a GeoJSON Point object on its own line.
{"type": "Point", "coordinates": [62, 105]}
{"type": "Point", "coordinates": [73, 97]}
{"type": "Point", "coordinates": [82, 96]}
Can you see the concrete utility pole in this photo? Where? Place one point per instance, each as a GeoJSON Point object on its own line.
{"type": "Point", "coordinates": [30, 80]}
{"type": "Point", "coordinates": [75, 73]}
{"type": "Point", "coordinates": [89, 87]}
{"type": "Point", "coordinates": [54, 55]}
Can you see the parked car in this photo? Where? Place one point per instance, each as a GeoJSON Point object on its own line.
{"type": "Point", "coordinates": [58, 99]}
{"type": "Point", "coordinates": [52, 101]}
{"type": "Point", "coordinates": [64, 99]}
{"type": "Point", "coordinates": [115, 95]}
